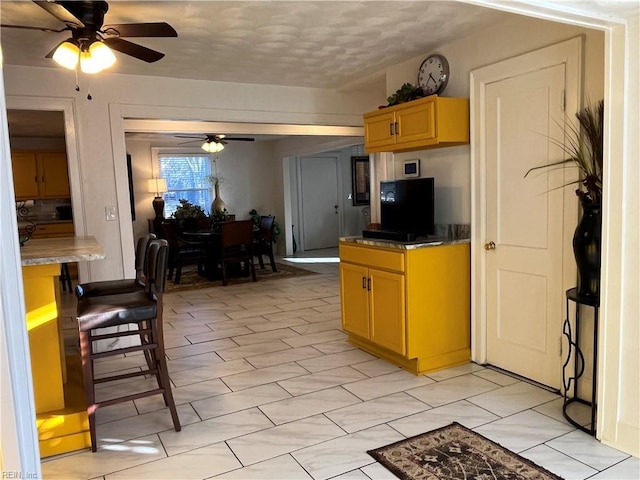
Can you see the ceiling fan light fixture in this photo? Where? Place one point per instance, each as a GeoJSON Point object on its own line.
{"type": "Point", "coordinates": [67, 53]}
{"type": "Point", "coordinates": [96, 57]}
{"type": "Point", "coordinates": [102, 54]}
{"type": "Point", "coordinates": [88, 64]}
{"type": "Point", "coordinates": [212, 147]}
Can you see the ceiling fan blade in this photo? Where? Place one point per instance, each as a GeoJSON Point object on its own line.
{"type": "Point", "coordinates": [241, 139]}
{"type": "Point", "coordinates": [133, 49]}
{"type": "Point", "coordinates": [192, 141]}
{"type": "Point", "coordinates": [61, 13]}
{"type": "Point", "coordinates": [199, 137]}
{"type": "Point", "coordinates": [42, 29]}
{"type": "Point", "coordinates": [155, 29]}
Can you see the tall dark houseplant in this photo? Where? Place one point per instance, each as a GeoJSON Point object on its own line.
{"type": "Point", "coordinates": [584, 146]}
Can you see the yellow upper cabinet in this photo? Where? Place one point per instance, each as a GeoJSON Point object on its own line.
{"type": "Point", "coordinates": [25, 175]}
{"type": "Point", "coordinates": [40, 175]}
{"type": "Point", "coordinates": [430, 122]}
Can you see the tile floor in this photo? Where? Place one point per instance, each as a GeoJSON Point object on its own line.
{"type": "Point", "coordinates": [268, 388]}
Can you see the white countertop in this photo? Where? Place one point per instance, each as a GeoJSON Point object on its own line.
{"type": "Point", "coordinates": [423, 243]}
{"type": "Point", "coordinates": [43, 251]}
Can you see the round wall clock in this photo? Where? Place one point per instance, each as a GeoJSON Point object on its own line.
{"type": "Point", "coordinates": [433, 74]}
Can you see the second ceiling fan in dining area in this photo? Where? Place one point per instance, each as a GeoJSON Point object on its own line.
{"type": "Point", "coordinates": [213, 143]}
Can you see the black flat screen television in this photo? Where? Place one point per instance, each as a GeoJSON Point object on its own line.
{"type": "Point", "coordinates": [407, 206]}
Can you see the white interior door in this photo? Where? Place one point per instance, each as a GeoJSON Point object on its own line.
{"type": "Point", "coordinates": [524, 218]}
{"type": "Point", "coordinates": [319, 201]}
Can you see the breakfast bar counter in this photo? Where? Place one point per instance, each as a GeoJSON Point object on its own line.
{"type": "Point", "coordinates": [59, 397]}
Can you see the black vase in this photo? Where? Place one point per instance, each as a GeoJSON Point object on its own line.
{"type": "Point", "coordinates": [586, 249]}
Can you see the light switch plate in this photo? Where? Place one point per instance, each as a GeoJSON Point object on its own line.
{"type": "Point", "coordinates": [111, 213]}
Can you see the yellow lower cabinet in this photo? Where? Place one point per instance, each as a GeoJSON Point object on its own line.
{"type": "Point", "coordinates": [410, 307]}
{"type": "Point", "coordinates": [355, 311]}
{"type": "Point", "coordinates": [387, 317]}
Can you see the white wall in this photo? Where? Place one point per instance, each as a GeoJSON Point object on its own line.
{"type": "Point", "coordinates": [101, 149]}
{"type": "Point", "coordinates": [252, 179]}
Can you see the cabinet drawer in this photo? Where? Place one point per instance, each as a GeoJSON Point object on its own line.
{"type": "Point", "coordinates": [373, 257]}
{"type": "Point", "coordinates": [45, 230]}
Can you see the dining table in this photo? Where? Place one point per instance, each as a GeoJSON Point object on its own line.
{"type": "Point", "coordinates": [211, 238]}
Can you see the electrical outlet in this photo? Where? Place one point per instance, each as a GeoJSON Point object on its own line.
{"type": "Point", "coordinates": [111, 213]}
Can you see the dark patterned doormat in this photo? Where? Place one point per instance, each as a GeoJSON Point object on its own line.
{"type": "Point", "coordinates": [455, 452]}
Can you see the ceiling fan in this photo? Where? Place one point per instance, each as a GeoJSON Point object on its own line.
{"type": "Point", "coordinates": [91, 42]}
{"type": "Point", "coordinates": [214, 143]}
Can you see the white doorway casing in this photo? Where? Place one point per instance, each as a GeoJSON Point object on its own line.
{"type": "Point", "coordinates": [546, 267]}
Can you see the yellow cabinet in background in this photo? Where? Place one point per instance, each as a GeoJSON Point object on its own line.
{"type": "Point", "coordinates": [430, 122]}
{"type": "Point", "coordinates": [409, 306]}
{"type": "Point", "coordinates": [40, 175]}
{"type": "Point", "coordinates": [53, 230]}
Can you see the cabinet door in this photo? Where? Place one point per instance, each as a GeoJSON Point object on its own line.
{"type": "Point", "coordinates": [388, 319]}
{"type": "Point", "coordinates": [25, 175]}
{"type": "Point", "coordinates": [416, 122]}
{"type": "Point", "coordinates": [355, 299]}
{"type": "Point", "coordinates": [54, 175]}
{"type": "Point", "coordinates": [379, 130]}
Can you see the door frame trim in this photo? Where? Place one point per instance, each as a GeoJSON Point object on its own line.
{"type": "Point", "coordinates": [569, 52]}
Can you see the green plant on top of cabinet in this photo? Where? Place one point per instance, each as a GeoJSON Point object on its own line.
{"type": "Point", "coordinates": [40, 175]}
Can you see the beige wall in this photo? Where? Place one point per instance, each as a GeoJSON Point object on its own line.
{"type": "Point", "coordinates": [451, 167]}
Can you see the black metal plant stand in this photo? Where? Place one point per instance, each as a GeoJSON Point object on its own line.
{"type": "Point", "coordinates": [570, 383]}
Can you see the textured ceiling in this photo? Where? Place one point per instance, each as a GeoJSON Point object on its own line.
{"type": "Point", "coordinates": [327, 44]}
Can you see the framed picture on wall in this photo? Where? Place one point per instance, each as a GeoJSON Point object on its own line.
{"type": "Point", "coordinates": [360, 180]}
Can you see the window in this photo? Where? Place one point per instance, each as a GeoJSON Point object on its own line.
{"type": "Point", "coordinates": [186, 176]}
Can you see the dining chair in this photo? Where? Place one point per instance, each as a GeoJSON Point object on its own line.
{"type": "Point", "coordinates": [263, 241]}
{"type": "Point", "coordinates": [183, 252]}
{"type": "Point", "coordinates": [111, 287]}
{"type": "Point", "coordinates": [236, 247]}
{"type": "Point", "coordinates": [142, 308]}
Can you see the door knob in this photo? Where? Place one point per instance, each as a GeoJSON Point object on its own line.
{"type": "Point", "coordinates": [490, 246]}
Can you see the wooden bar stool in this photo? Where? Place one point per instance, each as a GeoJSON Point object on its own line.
{"type": "Point", "coordinates": [142, 308]}
{"type": "Point", "coordinates": [112, 287]}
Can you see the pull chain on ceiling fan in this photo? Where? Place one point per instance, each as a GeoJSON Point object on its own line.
{"type": "Point", "coordinates": [91, 42]}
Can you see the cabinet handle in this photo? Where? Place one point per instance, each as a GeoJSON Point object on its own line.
{"type": "Point", "coordinates": [364, 282]}
{"type": "Point", "coordinates": [397, 128]}
{"type": "Point", "coordinates": [369, 284]}
{"type": "Point", "coordinates": [391, 132]}
{"type": "Point", "coordinates": [35, 179]}
{"type": "Point", "coordinates": [42, 178]}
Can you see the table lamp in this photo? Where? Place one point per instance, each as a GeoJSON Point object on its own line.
{"type": "Point", "coordinates": [158, 186]}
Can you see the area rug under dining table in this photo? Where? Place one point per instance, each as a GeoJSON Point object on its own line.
{"type": "Point", "coordinates": [190, 280]}
{"type": "Point", "coordinates": [455, 452]}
